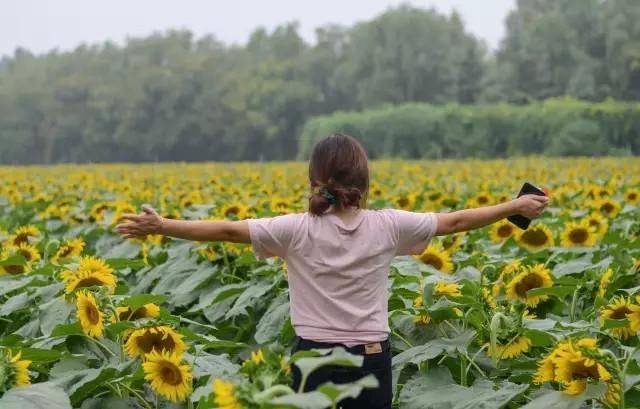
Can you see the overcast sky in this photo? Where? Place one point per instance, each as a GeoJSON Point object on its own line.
{"type": "Point", "coordinates": [41, 25]}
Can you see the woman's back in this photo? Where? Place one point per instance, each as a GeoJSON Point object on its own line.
{"type": "Point", "coordinates": [338, 265]}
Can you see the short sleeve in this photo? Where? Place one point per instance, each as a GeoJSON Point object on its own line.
{"type": "Point", "coordinates": [272, 236]}
{"type": "Point", "coordinates": [415, 231]}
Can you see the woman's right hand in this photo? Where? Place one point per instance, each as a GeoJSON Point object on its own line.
{"type": "Point", "coordinates": [139, 226]}
{"type": "Point", "coordinates": [530, 206]}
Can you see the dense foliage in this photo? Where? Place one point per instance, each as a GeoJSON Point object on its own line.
{"type": "Point", "coordinates": [495, 318]}
{"type": "Point", "coordinates": [555, 127]}
{"type": "Point", "coordinates": [175, 97]}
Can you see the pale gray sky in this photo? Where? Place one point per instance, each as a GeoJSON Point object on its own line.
{"type": "Point", "coordinates": [41, 25]}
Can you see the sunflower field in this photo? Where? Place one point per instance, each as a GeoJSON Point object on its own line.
{"type": "Point", "coordinates": [493, 318]}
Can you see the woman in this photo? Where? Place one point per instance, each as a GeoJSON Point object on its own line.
{"type": "Point", "coordinates": [338, 257]}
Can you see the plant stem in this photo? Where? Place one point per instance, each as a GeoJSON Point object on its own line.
{"type": "Point", "coordinates": [138, 395]}
{"type": "Point", "coordinates": [574, 301]}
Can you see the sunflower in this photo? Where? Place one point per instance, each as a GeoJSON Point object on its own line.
{"type": "Point", "coordinates": [280, 205]}
{"type": "Point", "coordinates": [607, 207]}
{"type": "Point", "coordinates": [96, 214]}
{"type": "Point", "coordinates": [604, 282]}
{"type": "Point", "coordinates": [146, 311]}
{"type": "Point", "coordinates": [501, 231]}
{"type": "Point", "coordinates": [532, 277]}
{"type": "Point", "coordinates": [91, 272]}
{"type": "Point", "coordinates": [574, 366]}
{"type": "Point", "coordinates": [634, 315]}
{"type": "Point", "coordinates": [489, 298]}
{"type": "Point", "coordinates": [578, 234]}
{"type": "Point", "coordinates": [618, 309]}
{"type": "Point", "coordinates": [437, 257]}
{"type": "Point", "coordinates": [632, 196]}
{"type": "Point", "coordinates": [512, 349]}
{"type": "Point", "coordinates": [405, 201]}
{"type": "Point", "coordinates": [14, 372]}
{"type": "Point", "coordinates": [257, 356]}
{"type": "Point", "coordinates": [535, 238]}
{"type": "Point", "coordinates": [224, 396]}
{"type": "Point", "coordinates": [27, 251]}
{"type": "Point", "coordinates": [234, 211]}
{"type": "Point", "coordinates": [598, 223]}
{"type": "Point", "coordinates": [160, 338]}
{"type": "Point", "coordinates": [168, 376]}
{"type": "Point", "coordinates": [483, 198]}
{"type": "Point", "coordinates": [452, 242]}
{"type": "Point", "coordinates": [23, 234]}
{"type": "Point", "coordinates": [70, 248]}
{"type": "Point", "coordinates": [440, 289]}
{"type": "Point", "coordinates": [447, 289]}
{"type": "Point", "coordinates": [209, 253]}
{"type": "Point", "coordinates": [89, 315]}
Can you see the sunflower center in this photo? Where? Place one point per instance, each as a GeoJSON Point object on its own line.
{"type": "Point", "coordinates": [137, 314]}
{"type": "Point", "coordinates": [26, 254]}
{"type": "Point", "coordinates": [620, 313]}
{"type": "Point", "coordinates": [607, 207]}
{"type": "Point", "coordinates": [21, 238]}
{"type": "Point", "coordinates": [632, 196]}
{"type": "Point", "coordinates": [170, 374]}
{"type": "Point", "coordinates": [232, 211]}
{"type": "Point", "coordinates": [158, 341]}
{"type": "Point", "coordinates": [13, 270]}
{"type": "Point", "coordinates": [535, 237]}
{"type": "Point", "coordinates": [483, 200]}
{"type": "Point", "coordinates": [403, 202]}
{"type": "Point", "coordinates": [65, 251]}
{"type": "Point", "coordinates": [89, 282]}
{"type": "Point", "coordinates": [579, 235]}
{"type": "Point", "coordinates": [93, 315]}
{"type": "Point", "coordinates": [505, 231]}
{"type": "Point", "coordinates": [433, 260]}
{"type": "Point", "coordinates": [580, 371]}
{"type": "Point", "coordinates": [529, 282]}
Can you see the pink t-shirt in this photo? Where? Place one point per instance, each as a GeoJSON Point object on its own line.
{"type": "Point", "coordinates": [338, 274]}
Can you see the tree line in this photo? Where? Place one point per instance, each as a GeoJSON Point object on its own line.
{"type": "Point", "coordinates": [172, 96]}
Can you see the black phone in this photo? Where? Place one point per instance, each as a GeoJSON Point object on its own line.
{"type": "Point", "coordinates": [527, 189]}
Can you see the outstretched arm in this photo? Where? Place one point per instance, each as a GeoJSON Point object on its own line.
{"type": "Point", "coordinates": [529, 206]}
{"type": "Point", "coordinates": [150, 222]}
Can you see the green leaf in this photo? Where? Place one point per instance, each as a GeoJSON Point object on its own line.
{"type": "Point", "coordinates": [120, 263]}
{"type": "Point", "coordinates": [338, 356]}
{"type": "Point", "coordinates": [559, 400]}
{"type": "Point", "coordinates": [15, 303]}
{"type": "Point", "coordinates": [248, 297]}
{"type": "Point", "coordinates": [610, 324]}
{"type": "Point", "coordinates": [556, 290]}
{"type": "Point", "coordinates": [309, 400]}
{"type": "Point", "coordinates": [433, 348]}
{"type": "Point", "coordinates": [14, 260]}
{"type": "Point", "coordinates": [271, 322]}
{"type": "Point", "coordinates": [67, 329]}
{"type": "Point", "coordinates": [9, 283]}
{"type": "Point", "coordinates": [572, 266]}
{"type": "Point", "coordinates": [39, 396]}
{"type": "Point", "coordinates": [40, 355]}
{"type": "Point", "coordinates": [337, 393]}
{"type": "Point", "coordinates": [54, 313]}
{"type": "Point", "coordinates": [136, 301]}
{"type": "Point", "coordinates": [435, 389]}
{"type": "Point", "coordinates": [127, 249]}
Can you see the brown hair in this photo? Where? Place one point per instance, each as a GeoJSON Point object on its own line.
{"type": "Point", "coordinates": [338, 174]}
